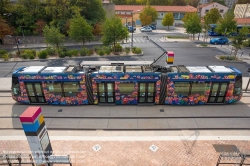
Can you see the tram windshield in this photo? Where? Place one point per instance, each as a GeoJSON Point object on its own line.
{"type": "Point", "coordinates": [15, 86]}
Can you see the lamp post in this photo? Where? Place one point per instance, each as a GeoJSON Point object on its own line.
{"type": "Point", "coordinates": [8, 17]}
{"type": "Point", "coordinates": [132, 30]}
{"type": "Point", "coordinates": [126, 26]}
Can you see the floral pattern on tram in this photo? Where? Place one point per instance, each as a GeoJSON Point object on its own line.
{"type": "Point", "coordinates": [199, 76]}
{"type": "Point", "coordinates": [79, 99]}
{"type": "Point", "coordinates": [157, 95]}
{"type": "Point", "coordinates": [94, 87]}
{"type": "Point", "coordinates": [178, 99]}
{"type": "Point", "coordinates": [23, 94]}
{"type": "Point", "coordinates": [230, 98]}
{"type": "Point", "coordinates": [125, 77]}
{"type": "Point", "coordinates": [126, 99]}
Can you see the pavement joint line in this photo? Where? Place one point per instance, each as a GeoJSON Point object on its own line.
{"type": "Point", "coordinates": [132, 138]}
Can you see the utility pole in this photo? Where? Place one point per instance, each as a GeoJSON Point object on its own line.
{"type": "Point", "coordinates": [8, 17]}
{"type": "Point", "coordinates": [132, 30]}
{"type": "Point", "coordinates": [126, 26]}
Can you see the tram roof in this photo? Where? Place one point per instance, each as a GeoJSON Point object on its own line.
{"type": "Point", "coordinates": [113, 63]}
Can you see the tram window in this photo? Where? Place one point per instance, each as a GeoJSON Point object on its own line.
{"type": "Point", "coordinates": [126, 88]}
{"type": "Point", "coordinates": [199, 88]}
{"type": "Point", "coordinates": [70, 88]}
{"type": "Point", "coordinates": [182, 88]}
{"type": "Point", "coordinates": [15, 86]}
{"type": "Point", "coordinates": [55, 88]}
{"type": "Point", "coordinates": [238, 85]}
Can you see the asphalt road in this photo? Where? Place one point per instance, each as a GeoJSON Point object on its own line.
{"type": "Point", "coordinates": [186, 53]}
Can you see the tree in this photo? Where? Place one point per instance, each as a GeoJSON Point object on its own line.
{"type": "Point", "coordinates": [193, 3]}
{"type": "Point", "coordinates": [113, 31]}
{"type": "Point", "coordinates": [5, 29]}
{"type": "Point", "coordinates": [5, 6]}
{"type": "Point", "coordinates": [242, 2]}
{"type": "Point", "coordinates": [168, 20]}
{"type": "Point", "coordinates": [212, 17]}
{"type": "Point", "coordinates": [53, 36]}
{"type": "Point", "coordinates": [193, 24]}
{"type": "Point", "coordinates": [80, 30]}
{"type": "Point", "coordinates": [146, 13]}
{"type": "Point", "coordinates": [222, 2]}
{"type": "Point", "coordinates": [179, 3]}
{"type": "Point", "coordinates": [239, 39]}
{"type": "Point", "coordinates": [227, 24]}
{"type": "Point", "coordinates": [39, 26]}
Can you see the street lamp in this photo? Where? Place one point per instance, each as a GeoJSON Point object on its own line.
{"type": "Point", "coordinates": [126, 26]}
{"type": "Point", "coordinates": [132, 30]}
{"type": "Point", "coordinates": [8, 17]}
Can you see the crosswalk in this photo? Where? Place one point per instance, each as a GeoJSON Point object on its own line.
{"type": "Point", "coordinates": [142, 40]}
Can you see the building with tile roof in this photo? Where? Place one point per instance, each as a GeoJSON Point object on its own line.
{"type": "Point", "coordinates": [204, 8]}
{"type": "Point", "coordinates": [127, 11]}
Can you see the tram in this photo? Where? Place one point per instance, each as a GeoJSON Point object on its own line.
{"type": "Point", "coordinates": [126, 83]}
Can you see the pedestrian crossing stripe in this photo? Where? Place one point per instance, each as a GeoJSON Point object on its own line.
{"type": "Point", "coordinates": [141, 40]}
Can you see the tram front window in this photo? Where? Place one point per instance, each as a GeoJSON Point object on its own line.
{"type": "Point", "coordinates": [15, 86]}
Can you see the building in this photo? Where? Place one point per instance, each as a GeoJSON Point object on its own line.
{"type": "Point", "coordinates": [205, 1]}
{"type": "Point", "coordinates": [203, 9]}
{"type": "Point", "coordinates": [242, 11]}
{"type": "Point", "coordinates": [243, 21]}
{"type": "Point", "coordinates": [127, 11]}
{"type": "Point", "coordinates": [230, 3]}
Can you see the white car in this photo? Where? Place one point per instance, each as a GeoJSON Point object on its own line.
{"type": "Point", "coordinates": [146, 29]}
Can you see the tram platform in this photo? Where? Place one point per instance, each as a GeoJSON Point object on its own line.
{"type": "Point", "coordinates": [5, 84]}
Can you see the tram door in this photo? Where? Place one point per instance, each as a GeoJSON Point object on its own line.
{"type": "Point", "coordinates": [106, 92]}
{"type": "Point", "coordinates": [146, 93]}
{"type": "Point", "coordinates": [35, 93]}
{"type": "Point", "coordinates": [218, 92]}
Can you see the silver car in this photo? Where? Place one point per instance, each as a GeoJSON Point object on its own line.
{"type": "Point", "coordinates": [146, 29]}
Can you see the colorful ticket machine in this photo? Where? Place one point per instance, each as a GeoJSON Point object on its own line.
{"type": "Point", "coordinates": [36, 132]}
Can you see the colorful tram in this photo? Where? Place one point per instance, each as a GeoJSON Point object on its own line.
{"type": "Point", "coordinates": [126, 83]}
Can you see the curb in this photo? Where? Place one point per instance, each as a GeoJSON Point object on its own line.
{"type": "Point", "coordinates": [71, 58]}
{"type": "Point", "coordinates": [240, 61]}
{"type": "Point", "coordinates": [209, 46]}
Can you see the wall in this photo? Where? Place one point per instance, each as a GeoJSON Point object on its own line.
{"type": "Point", "coordinates": [214, 5]}
{"type": "Point", "coordinates": [242, 10]}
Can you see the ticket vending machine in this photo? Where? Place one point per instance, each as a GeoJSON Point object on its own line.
{"type": "Point", "coordinates": [36, 132]}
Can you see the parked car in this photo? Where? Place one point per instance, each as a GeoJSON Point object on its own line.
{"type": "Point", "coordinates": [146, 29]}
{"type": "Point", "coordinates": [153, 27]}
{"type": "Point", "coordinates": [220, 40]}
{"type": "Point", "coordinates": [131, 29]}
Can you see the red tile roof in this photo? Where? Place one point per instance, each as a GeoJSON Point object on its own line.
{"type": "Point", "coordinates": [243, 21]}
{"type": "Point", "coordinates": [135, 8]}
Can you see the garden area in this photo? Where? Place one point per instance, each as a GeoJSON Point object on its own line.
{"type": "Point", "coordinates": [63, 52]}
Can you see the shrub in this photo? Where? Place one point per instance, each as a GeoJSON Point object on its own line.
{"type": "Point", "coordinates": [127, 50]}
{"type": "Point", "coordinates": [222, 57]}
{"type": "Point", "coordinates": [90, 52]}
{"type": "Point", "coordinates": [101, 52]}
{"type": "Point", "coordinates": [25, 56]}
{"type": "Point", "coordinates": [43, 54]}
{"type": "Point", "coordinates": [3, 52]}
{"type": "Point", "coordinates": [61, 54]}
{"type": "Point", "coordinates": [137, 51]}
{"type": "Point", "coordinates": [32, 57]}
{"type": "Point", "coordinates": [29, 52]}
{"type": "Point", "coordinates": [117, 48]}
{"type": "Point", "coordinates": [73, 52]}
{"type": "Point", "coordinates": [229, 58]}
{"type": "Point", "coordinates": [246, 44]}
{"type": "Point", "coordinates": [83, 51]}
{"type": "Point", "coordinates": [97, 48]}
{"type": "Point", "coordinates": [204, 45]}
{"type": "Point", "coordinates": [51, 51]}
{"type": "Point", "coordinates": [6, 57]}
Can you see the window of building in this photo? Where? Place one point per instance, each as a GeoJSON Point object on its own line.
{"type": "Point", "coordinates": [182, 15]}
{"type": "Point", "coordinates": [126, 88]}
{"type": "Point", "coordinates": [182, 88]}
{"type": "Point", "coordinates": [55, 88]}
{"type": "Point", "coordinates": [221, 11]}
{"type": "Point", "coordinates": [199, 88]}
{"type": "Point", "coordinates": [206, 10]}
{"type": "Point", "coordinates": [70, 88]}
{"type": "Point", "coordinates": [162, 14]}
{"type": "Point", "coordinates": [176, 16]}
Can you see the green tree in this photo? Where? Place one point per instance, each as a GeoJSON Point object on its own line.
{"type": "Point", "coordinates": [222, 2]}
{"type": "Point", "coordinates": [80, 30]}
{"type": "Point", "coordinates": [193, 3]}
{"type": "Point", "coordinates": [239, 39]}
{"type": "Point", "coordinates": [53, 37]}
{"type": "Point", "coordinates": [212, 17]}
{"type": "Point", "coordinates": [5, 6]}
{"type": "Point", "coordinates": [227, 24]}
{"type": "Point", "coordinates": [193, 24]}
{"type": "Point", "coordinates": [179, 3]}
{"type": "Point", "coordinates": [113, 31]}
{"type": "Point", "coordinates": [168, 20]}
{"type": "Point", "coordinates": [146, 13]}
